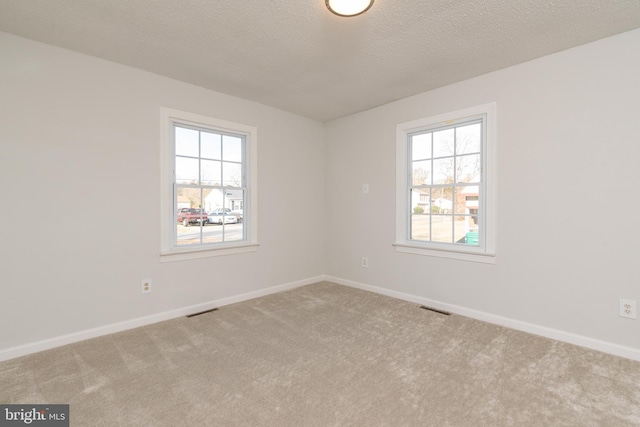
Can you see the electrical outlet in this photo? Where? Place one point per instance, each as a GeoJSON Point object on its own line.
{"type": "Point", "coordinates": [365, 188]}
{"type": "Point", "coordinates": [145, 286]}
{"type": "Point", "coordinates": [365, 262]}
{"type": "Point", "coordinates": [628, 308]}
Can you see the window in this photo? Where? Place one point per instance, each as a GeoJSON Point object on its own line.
{"type": "Point", "coordinates": [208, 186]}
{"type": "Point", "coordinates": [445, 185]}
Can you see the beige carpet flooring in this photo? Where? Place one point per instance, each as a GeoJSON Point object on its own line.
{"type": "Point", "coordinates": [327, 355]}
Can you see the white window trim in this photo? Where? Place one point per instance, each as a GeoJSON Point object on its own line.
{"type": "Point", "coordinates": [169, 252]}
{"type": "Point", "coordinates": [465, 253]}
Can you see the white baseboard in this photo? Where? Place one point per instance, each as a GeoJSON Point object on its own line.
{"type": "Point", "coordinates": [59, 341]}
{"type": "Point", "coordinates": [568, 337]}
{"type": "Point", "coordinates": [580, 340]}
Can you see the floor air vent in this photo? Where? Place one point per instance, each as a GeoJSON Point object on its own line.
{"type": "Point", "coordinates": [435, 310]}
{"type": "Point", "coordinates": [202, 312]}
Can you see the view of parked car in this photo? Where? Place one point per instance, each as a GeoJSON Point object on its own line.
{"type": "Point", "coordinates": [238, 213]}
{"type": "Point", "coordinates": [220, 216]}
{"type": "Point", "coordinates": [188, 216]}
{"type": "Point", "coordinates": [226, 211]}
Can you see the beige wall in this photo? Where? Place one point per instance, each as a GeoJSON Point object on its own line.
{"type": "Point", "coordinates": [80, 174]}
{"type": "Point", "coordinates": [568, 129]}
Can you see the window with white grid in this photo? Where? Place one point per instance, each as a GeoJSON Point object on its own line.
{"type": "Point", "coordinates": [445, 197]}
{"type": "Point", "coordinates": [209, 186]}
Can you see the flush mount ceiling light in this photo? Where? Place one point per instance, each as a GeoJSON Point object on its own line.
{"type": "Point", "coordinates": [348, 7]}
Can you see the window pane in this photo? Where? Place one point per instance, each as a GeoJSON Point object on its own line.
{"type": "Point", "coordinates": [233, 232]}
{"type": "Point", "coordinates": [421, 173]}
{"type": "Point", "coordinates": [205, 196]}
{"type": "Point", "coordinates": [441, 228]}
{"type": "Point", "coordinates": [190, 220]}
{"type": "Point", "coordinates": [420, 201]}
{"type": "Point", "coordinates": [442, 200]}
{"type": "Point", "coordinates": [211, 172]}
{"type": "Point", "coordinates": [186, 170]}
{"type": "Point", "coordinates": [225, 232]}
{"type": "Point", "coordinates": [466, 219]}
{"type": "Point", "coordinates": [186, 142]}
{"type": "Point", "coordinates": [468, 168]}
{"type": "Point", "coordinates": [187, 197]}
{"type": "Point", "coordinates": [459, 206]}
{"type": "Point", "coordinates": [232, 174]}
{"type": "Point", "coordinates": [234, 200]}
{"type": "Point", "coordinates": [443, 171]}
{"type": "Point", "coordinates": [232, 148]}
{"type": "Point", "coordinates": [421, 146]}
{"type": "Point", "coordinates": [227, 216]}
{"type": "Point", "coordinates": [211, 145]}
{"type": "Point", "coordinates": [466, 199]}
{"type": "Point", "coordinates": [213, 234]}
{"type": "Point", "coordinates": [473, 224]}
{"type": "Point", "coordinates": [443, 143]}
{"type": "Point", "coordinates": [420, 227]}
{"type": "Point", "coordinates": [468, 139]}
{"type": "Point", "coordinates": [221, 202]}
{"type": "Point", "coordinates": [464, 232]}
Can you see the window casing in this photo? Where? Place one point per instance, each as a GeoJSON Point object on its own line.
{"type": "Point", "coordinates": [445, 182]}
{"type": "Point", "coordinates": [209, 186]}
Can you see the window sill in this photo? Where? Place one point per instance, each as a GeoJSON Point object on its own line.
{"type": "Point", "coordinates": [472, 256]}
{"type": "Point", "coordinates": [183, 254]}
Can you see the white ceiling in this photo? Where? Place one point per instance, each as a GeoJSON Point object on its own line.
{"type": "Point", "coordinates": [297, 56]}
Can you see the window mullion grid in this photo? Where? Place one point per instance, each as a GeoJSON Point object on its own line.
{"type": "Point", "coordinates": [224, 212]}
{"type": "Point", "coordinates": [481, 214]}
{"type": "Point", "coordinates": [243, 190]}
{"type": "Point", "coordinates": [465, 181]}
{"type": "Point", "coordinates": [453, 188]}
{"type": "Point", "coordinates": [174, 185]}
{"type": "Point", "coordinates": [431, 190]}
{"type": "Point", "coordinates": [223, 186]}
{"type": "Point", "coordinates": [192, 161]}
{"type": "Point", "coordinates": [201, 207]}
{"type": "Point", "coordinates": [409, 228]}
{"type": "Point", "coordinates": [174, 231]}
{"type": "Point", "coordinates": [408, 216]}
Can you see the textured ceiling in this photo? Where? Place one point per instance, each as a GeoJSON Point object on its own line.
{"type": "Point", "coordinates": [297, 56]}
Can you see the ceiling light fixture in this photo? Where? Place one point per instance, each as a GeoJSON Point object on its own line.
{"type": "Point", "coordinates": [348, 7]}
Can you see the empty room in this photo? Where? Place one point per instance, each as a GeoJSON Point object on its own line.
{"type": "Point", "coordinates": [309, 213]}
